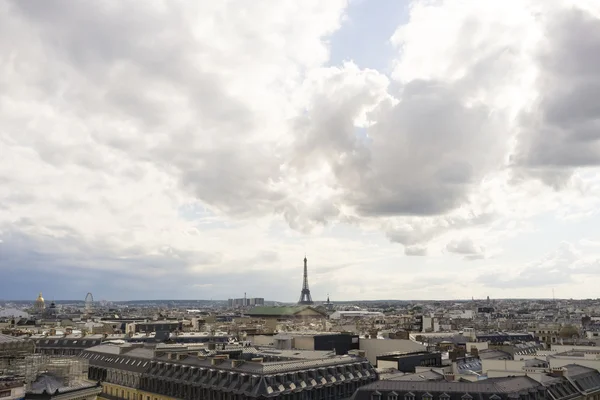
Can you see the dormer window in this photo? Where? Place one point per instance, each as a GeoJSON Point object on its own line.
{"type": "Point", "coordinates": [376, 395]}
{"type": "Point", "coordinates": [392, 396]}
{"type": "Point", "coordinates": [409, 396]}
{"type": "Point", "coordinates": [427, 396]}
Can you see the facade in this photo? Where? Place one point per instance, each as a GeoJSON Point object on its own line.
{"type": "Point", "coordinates": [340, 343]}
{"type": "Point", "coordinates": [144, 373]}
{"type": "Point", "coordinates": [154, 326]}
{"type": "Point", "coordinates": [377, 347]}
{"type": "Point", "coordinates": [500, 338]}
{"type": "Point", "coordinates": [285, 313]}
{"type": "Point", "coordinates": [246, 302]}
{"type": "Point", "coordinates": [336, 343]}
{"type": "Point", "coordinates": [407, 362]}
{"type": "Point", "coordinates": [65, 346]}
{"type": "Point", "coordinates": [11, 389]}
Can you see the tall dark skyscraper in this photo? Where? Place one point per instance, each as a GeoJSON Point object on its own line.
{"type": "Point", "coordinates": [305, 297]}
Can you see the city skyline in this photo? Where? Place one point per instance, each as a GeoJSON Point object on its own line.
{"type": "Point", "coordinates": [411, 149]}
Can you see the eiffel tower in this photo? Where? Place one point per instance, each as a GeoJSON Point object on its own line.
{"type": "Point", "coordinates": [305, 298]}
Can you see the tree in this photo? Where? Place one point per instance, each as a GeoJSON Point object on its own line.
{"type": "Point", "coordinates": [568, 331]}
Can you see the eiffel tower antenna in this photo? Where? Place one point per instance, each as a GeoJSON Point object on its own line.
{"type": "Point", "coordinates": [305, 298]}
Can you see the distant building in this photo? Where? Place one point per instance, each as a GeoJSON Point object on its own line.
{"type": "Point", "coordinates": [499, 337]}
{"type": "Point", "coordinates": [65, 345]}
{"type": "Point", "coordinates": [154, 326]}
{"type": "Point", "coordinates": [356, 314]}
{"type": "Point", "coordinates": [39, 305]}
{"type": "Point", "coordinates": [407, 362]}
{"type": "Point", "coordinates": [337, 343]}
{"type": "Point", "coordinates": [246, 302]}
{"type": "Point", "coordinates": [11, 389]}
{"type": "Point", "coordinates": [284, 313]}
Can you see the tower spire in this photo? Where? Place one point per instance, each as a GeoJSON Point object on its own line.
{"type": "Point", "coordinates": [305, 297]}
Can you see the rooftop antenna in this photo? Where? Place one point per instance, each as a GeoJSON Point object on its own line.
{"type": "Point", "coordinates": [553, 298]}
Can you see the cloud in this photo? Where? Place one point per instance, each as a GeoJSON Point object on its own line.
{"type": "Point", "coordinates": [559, 267]}
{"type": "Point", "coordinates": [415, 251]}
{"type": "Point", "coordinates": [139, 141]}
{"type": "Point", "coordinates": [560, 131]}
{"type": "Point", "coordinates": [467, 248]}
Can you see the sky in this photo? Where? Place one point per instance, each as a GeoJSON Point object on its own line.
{"type": "Point", "coordinates": [425, 149]}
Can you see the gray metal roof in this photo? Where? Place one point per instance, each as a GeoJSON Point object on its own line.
{"type": "Point", "coordinates": [9, 339]}
{"type": "Point", "coordinates": [495, 385]}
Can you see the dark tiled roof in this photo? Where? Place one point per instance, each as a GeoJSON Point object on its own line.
{"type": "Point", "coordinates": [54, 342]}
{"type": "Point", "coordinates": [491, 354]}
{"type": "Point", "coordinates": [585, 379]}
{"type": "Point", "coordinates": [489, 389]}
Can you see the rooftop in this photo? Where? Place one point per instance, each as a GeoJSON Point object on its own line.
{"type": "Point", "coordinates": [9, 339]}
{"type": "Point", "coordinates": [276, 311]}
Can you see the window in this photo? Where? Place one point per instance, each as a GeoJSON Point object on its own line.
{"type": "Point", "coordinates": [376, 395]}
{"type": "Point", "coordinates": [392, 396]}
{"type": "Point", "coordinates": [4, 393]}
{"type": "Point", "coordinates": [409, 396]}
{"type": "Point", "coordinates": [427, 396]}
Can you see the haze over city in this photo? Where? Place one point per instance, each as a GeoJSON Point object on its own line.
{"type": "Point", "coordinates": [199, 150]}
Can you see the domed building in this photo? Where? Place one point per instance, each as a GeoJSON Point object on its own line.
{"type": "Point", "coordinates": [39, 304]}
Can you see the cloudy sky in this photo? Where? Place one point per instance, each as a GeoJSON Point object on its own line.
{"type": "Point", "coordinates": [198, 149]}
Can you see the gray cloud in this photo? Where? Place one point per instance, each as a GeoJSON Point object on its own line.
{"type": "Point", "coordinates": [467, 248]}
{"type": "Point", "coordinates": [415, 251]}
{"type": "Point", "coordinates": [562, 132]}
{"type": "Point", "coordinates": [64, 267]}
{"type": "Point", "coordinates": [422, 157]}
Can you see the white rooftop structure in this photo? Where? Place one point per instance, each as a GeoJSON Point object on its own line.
{"type": "Point", "coordinates": [355, 314]}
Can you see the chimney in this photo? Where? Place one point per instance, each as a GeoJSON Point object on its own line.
{"type": "Point", "coordinates": [217, 360]}
{"type": "Point", "coordinates": [452, 355]}
{"type": "Point", "coordinates": [212, 345]}
{"type": "Point", "coordinates": [449, 377]}
{"type": "Point", "coordinates": [558, 372]}
{"type": "Point", "coordinates": [474, 351]}
{"type": "Point", "coordinates": [257, 359]}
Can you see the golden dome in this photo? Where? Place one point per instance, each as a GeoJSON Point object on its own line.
{"type": "Point", "coordinates": [39, 302]}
